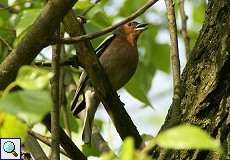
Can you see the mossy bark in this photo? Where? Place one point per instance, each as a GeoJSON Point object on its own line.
{"type": "Point", "coordinates": [205, 100]}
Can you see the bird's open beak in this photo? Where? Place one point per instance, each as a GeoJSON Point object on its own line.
{"type": "Point", "coordinates": [141, 27]}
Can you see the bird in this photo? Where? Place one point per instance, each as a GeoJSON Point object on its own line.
{"type": "Point", "coordinates": [118, 55]}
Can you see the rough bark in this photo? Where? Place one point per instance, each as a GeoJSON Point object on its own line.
{"type": "Point", "coordinates": [206, 85]}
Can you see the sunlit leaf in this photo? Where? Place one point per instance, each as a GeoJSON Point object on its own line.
{"type": "Point", "coordinates": [198, 12]}
{"type": "Point", "coordinates": [108, 156]}
{"type": "Point", "coordinates": [33, 78]}
{"type": "Point", "coordinates": [187, 137]}
{"type": "Point", "coordinates": [12, 127]}
{"type": "Point", "coordinates": [127, 152]}
{"type": "Point", "coordinates": [28, 105]}
{"type": "Point", "coordinates": [83, 4]}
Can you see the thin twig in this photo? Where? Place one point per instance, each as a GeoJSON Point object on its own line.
{"type": "Point", "coordinates": [184, 30]}
{"type": "Point", "coordinates": [46, 140]}
{"type": "Point", "coordinates": [43, 56]}
{"type": "Point", "coordinates": [108, 29]}
{"type": "Point", "coordinates": [35, 148]}
{"type": "Point", "coordinates": [62, 95]}
{"type": "Point", "coordinates": [72, 61]}
{"type": "Point", "coordinates": [174, 54]}
{"type": "Point", "coordinates": [11, 8]}
{"type": "Point", "coordinates": [55, 113]}
{"type": "Point", "coordinates": [4, 42]}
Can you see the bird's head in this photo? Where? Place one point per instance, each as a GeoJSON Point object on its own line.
{"type": "Point", "coordinates": [131, 30]}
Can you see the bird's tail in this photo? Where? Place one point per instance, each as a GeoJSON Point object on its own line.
{"type": "Point", "coordinates": [87, 131]}
{"type": "Point", "coordinates": [92, 103]}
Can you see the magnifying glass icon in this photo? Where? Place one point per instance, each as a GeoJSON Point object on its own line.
{"type": "Point", "coordinates": [9, 147]}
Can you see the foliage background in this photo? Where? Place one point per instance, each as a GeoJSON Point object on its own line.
{"type": "Point", "coordinates": [150, 90]}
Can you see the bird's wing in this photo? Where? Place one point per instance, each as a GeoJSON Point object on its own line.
{"type": "Point", "coordinates": [104, 44]}
{"type": "Point", "coordinates": [83, 78]}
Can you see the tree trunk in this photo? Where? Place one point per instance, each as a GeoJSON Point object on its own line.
{"type": "Point", "coordinates": [205, 100]}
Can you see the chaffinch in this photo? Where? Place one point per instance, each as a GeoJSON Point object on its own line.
{"type": "Point", "coordinates": [119, 58]}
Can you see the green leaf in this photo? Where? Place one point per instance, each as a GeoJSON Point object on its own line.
{"type": "Point", "coordinates": [33, 78]}
{"type": "Point", "coordinates": [127, 152]}
{"type": "Point", "coordinates": [140, 83]}
{"type": "Point", "coordinates": [130, 6]}
{"type": "Point", "coordinates": [108, 156]}
{"type": "Point", "coordinates": [101, 19]}
{"type": "Point", "coordinates": [28, 105]}
{"type": "Point", "coordinates": [26, 20]}
{"type": "Point", "coordinates": [198, 12]}
{"type": "Point", "coordinates": [4, 15]}
{"type": "Point", "coordinates": [83, 4]}
{"type": "Point", "coordinates": [90, 150]}
{"type": "Point", "coordinates": [72, 121]}
{"type": "Point", "coordinates": [12, 127]}
{"type": "Point", "coordinates": [160, 56]}
{"type": "Point", "coordinates": [7, 34]}
{"type": "Point", "coordinates": [157, 55]}
{"type": "Point", "coordinates": [187, 137]}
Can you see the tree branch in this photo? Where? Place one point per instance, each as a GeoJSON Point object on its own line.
{"type": "Point", "coordinates": [66, 143]}
{"type": "Point", "coordinates": [62, 96]}
{"type": "Point", "coordinates": [175, 108]}
{"type": "Point", "coordinates": [78, 38]}
{"type": "Point", "coordinates": [184, 30]}
{"type": "Point", "coordinates": [4, 42]}
{"type": "Point", "coordinates": [69, 62]}
{"type": "Point", "coordinates": [55, 112]}
{"type": "Point", "coordinates": [39, 36]}
{"type": "Point", "coordinates": [35, 149]}
{"type": "Point", "coordinates": [45, 140]}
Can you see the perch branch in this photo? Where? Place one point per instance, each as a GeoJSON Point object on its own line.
{"type": "Point", "coordinates": [108, 29]}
